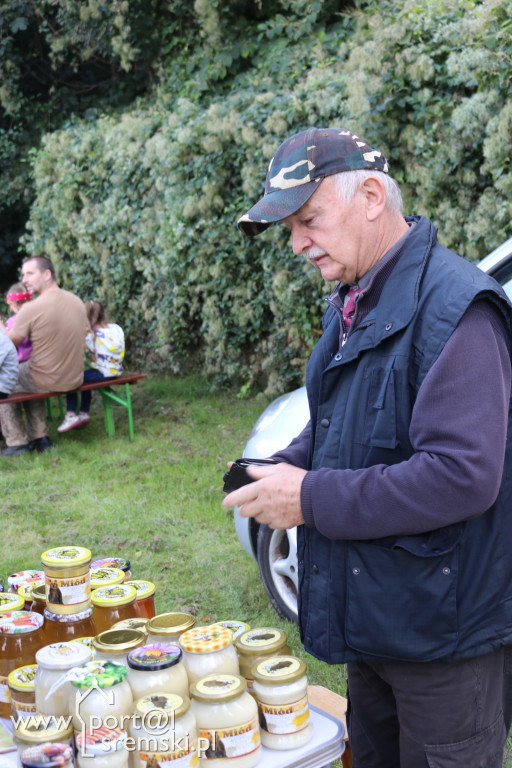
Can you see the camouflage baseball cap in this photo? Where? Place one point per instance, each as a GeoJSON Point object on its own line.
{"type": "Point", "coordinates": [298, 167]}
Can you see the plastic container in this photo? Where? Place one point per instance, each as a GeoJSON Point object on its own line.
{"type": "Point", "coordinates": [16, 580]}
{"type": "Point", "coordinates": [21, 635]}
{"type": "Point", "coordinates": [66, 573]}
{"type": "Point", "coordinates": [168, 627]}
{"type": "Point", "coordinates": [22, 691]}
{"type": "Point", "coordinates": [115, 644]}
{"type": "Point", "coordinates": [157, 667]}
{"type": "Point", "coordinates": [280, 687]}
{"type": "Point", "coordinates": [113, 604]}
{"type": "Point", "coordinates": [227, 720]}
{"type": "Point", "coordinates": [172, 744]}
{"type": "Point", "coordinates": [259, 644]}
{"type": "Point", "coordinates": [114, 562]}
{"type": "Point", "coordinates": [61, 627]}
{"type": "Point", "coordinates": [47, 755]}
{"type": "Point", "coordinates": [52, 689]}
{"type": "Point", "coordinates": [40, 730]}
{"type": "Point", "coordinates": [102, 748]}
{"type": "Point", "coordinates": [207, 650]}
{"type": "Point", "coordinates": [101, 695]}
{"type": "Point", "coordinates": [9, 601]}
{"type": "Point", "coordinates": [145, 597]}
{"type": "Point", "coordinates": [106, 577]}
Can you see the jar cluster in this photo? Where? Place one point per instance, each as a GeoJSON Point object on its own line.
{"type": "Point", "coordinates": [133, 688]}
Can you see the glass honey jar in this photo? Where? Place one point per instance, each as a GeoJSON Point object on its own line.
{"type": "Point", "coordinates": [60, 627]}
{"type": "Point", "coordinates": [106, 577]}
{"type": "Point", "coordinates": [67, 579]}
{"type": "Point", "coordinates": [52, 689]}
{"type": "Point", "coordinates": [113, 604]}
{"type": "Point", "coordinates": [47, 755]}
{"type": "Point", "coordinates": [25, 592]}
{"type": "Point", "coordinates": [167, 627]}
{"type": "Point", "coordinates": [38, 595]}
{"type": "Point", "coordinates": [21, 683]}
{"type": "Point", "coordinates": [259, 644]}
{"type": "Point", "coordinates": [41, 730]}
{"type": "Point", "coordinates": [145, 597]}
{"type": "Point", "coordinates": [208, 649]}
{"type": "Point", "coordinates": [116, 644]}
{"type": "Point", "coordinates": [21, 635]}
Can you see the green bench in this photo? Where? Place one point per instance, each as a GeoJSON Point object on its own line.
{"type": "Point", "coordinates": [110, 395]}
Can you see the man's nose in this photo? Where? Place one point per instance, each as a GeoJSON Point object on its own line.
{"type": "Point", "coordinates": [300, 242]}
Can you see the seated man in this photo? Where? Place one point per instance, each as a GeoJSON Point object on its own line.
{"type": "Point", "coordinates": [54, 323]}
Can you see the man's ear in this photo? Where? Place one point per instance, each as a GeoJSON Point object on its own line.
{"type": "Point", "coordinates": [375, 196]}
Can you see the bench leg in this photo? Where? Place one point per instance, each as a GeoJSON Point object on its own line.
{"type": "Point", "coordinates": [49, 409]}
{"type": "Point", "coordinates": [109, 399]}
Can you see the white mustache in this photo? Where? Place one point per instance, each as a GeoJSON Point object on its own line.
{"type": "Point", "coordinates": [313, 253]}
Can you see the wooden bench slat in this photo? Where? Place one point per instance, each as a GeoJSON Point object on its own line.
{"type": "Point", "coordinates": [20, 397]}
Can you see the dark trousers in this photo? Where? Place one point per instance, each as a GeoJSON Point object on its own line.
{"type": "Point", "coordinates": [430, 715]}
{"type": "Point", "coordinates": [90, 374]}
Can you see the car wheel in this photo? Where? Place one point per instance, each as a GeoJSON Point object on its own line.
{"type": "Point", "coordinates": [277, 559]}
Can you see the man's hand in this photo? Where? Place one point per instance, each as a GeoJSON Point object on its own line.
{"type": "Point", "coordinates": [274, 497]}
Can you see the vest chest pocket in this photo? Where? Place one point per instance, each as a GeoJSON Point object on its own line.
{"type": "Point", "coordinates": [381, 409]}
{"type": "Point", "coordinates": [400, 606]}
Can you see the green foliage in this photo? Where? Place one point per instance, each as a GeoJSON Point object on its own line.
{"type": "Point", "coordinates": [138, 206]}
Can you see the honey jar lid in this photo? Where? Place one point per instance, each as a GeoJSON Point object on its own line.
{"type": "Point", "coordinates": [37, 729]}
{"type": "Point", "coordinates": [119, 594]}
{"type": "Point", "coordinates": [49, 755]}
{"type": "Point", "coordinates": [213, 637]}
{"type": "Point", "coordinates": [170, 623]}
{"type": "Point", "coordinates": [136, 622]}
{"type": "Point", "coordinates": [23, 678]}
{"type": "Point", "coordinates": [118, 640]}
{"type": "Point", "coordinates": [215, 688]}
{"type": "Point", "coordinates": [25, 590]}
{"type": "Point", "coordinates": [236, 627]}
{"type": "Point", "coordinates": [97, 674]}
{"type": "Point", "coordinates": [278, 669]}
{"type": "Point", "coordinates": [66, 557]}
{"type": "Point", "coordinates": [39, 593]}
{"type": "Point", "coordinates": [100, 741]}
{"type": "Point", "coordinates": [63, 655]}
{"type": "Point", "coordinates": [261, 640]}
{"type": "Point", "coordinates": [171, 703]}
{"type": "Point", "coordinates": [111, 562]}
{"type": "Point", "coordinates": [143, 588]}
{"type": "Point", "coordinates": [106, 577]}
{"type": "Point", "coordinates": [15, 580]}
{"type": "Point", "coordinates": [154, 656]}
{"type": "Point", "coordinates": [87, 641]}
{"type": "Point", "coordinates": [10, 602]}
{"type": "Point", "coordinates": [20, 622]}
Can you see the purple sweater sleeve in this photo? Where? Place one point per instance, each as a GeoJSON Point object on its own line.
{"type": "Point", "coordinates": [297, 451]}
{"type": "Point", "coordinates": [458, 432]}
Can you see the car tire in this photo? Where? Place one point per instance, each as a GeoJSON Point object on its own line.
{"type": "Point", "coordinates": [277, 560]}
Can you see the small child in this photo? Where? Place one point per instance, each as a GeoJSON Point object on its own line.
{"type": "Point", "coordinates": [16, 297]}
{"type": "Point", "coordinates": [105, 345]}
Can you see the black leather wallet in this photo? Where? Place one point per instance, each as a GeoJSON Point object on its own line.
{"type": "Point", "coordinates": [236, 476]}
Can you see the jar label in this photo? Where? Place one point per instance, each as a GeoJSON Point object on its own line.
{"type": "Point", "coordinates": [184, 756]}
{"type": "Point", "coordinates": [62, 593]}
{"type": "Point", "coordinates": [283, 719]}
{"type": "Point", "coordinates": [5, 694]}
{"type": "Point", "coordinates": [22, 708]}
{"type": "Point", "coordinates": [235, 741]}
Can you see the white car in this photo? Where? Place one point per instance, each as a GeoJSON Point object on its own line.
{"type": "Point", "coordinates": [280, 422]}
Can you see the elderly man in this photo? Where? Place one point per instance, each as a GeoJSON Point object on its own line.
{"type": "Point", "coordinates": [401, 483]}
{"type": "Point", "coordinates": [55, 323]}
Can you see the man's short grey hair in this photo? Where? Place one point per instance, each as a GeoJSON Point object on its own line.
{"type": "Point", "coordinates": [348, 182]}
